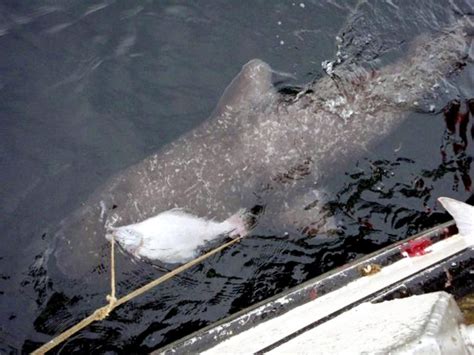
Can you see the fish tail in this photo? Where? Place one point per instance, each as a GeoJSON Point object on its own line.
{"type": "Point", "coordinates": [244, 220]}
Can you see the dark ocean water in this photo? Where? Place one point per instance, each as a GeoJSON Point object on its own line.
{"type": "Point", "coordinates": [88, 88]}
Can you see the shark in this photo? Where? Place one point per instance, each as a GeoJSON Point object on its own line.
{"type": "Point", "coordinates": [258, 144]}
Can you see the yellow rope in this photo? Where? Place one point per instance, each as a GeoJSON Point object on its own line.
{"type": "Point", "coordinates": [103, 312]}
{"type": "Point", "coordinates": [111, 298]}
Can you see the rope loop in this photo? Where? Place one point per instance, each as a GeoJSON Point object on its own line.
{"type": "Point", "coordinates": [113, 302]}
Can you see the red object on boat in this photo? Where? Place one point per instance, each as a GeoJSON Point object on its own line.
{"type": "Point", "coordinates": [416, 247]}
{"type": "Point", "coordinates": [313, 294]}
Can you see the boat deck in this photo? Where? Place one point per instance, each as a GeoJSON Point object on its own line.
{"type": "Point", "coordinates": [435, 260]}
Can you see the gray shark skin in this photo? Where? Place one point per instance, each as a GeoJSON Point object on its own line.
{"type": "Point", "coordinates": [256, 143]}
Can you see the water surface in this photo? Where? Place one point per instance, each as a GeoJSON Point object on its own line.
{"type": "Point", "coordinates": [87, 88]}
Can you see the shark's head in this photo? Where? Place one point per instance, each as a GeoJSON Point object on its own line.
{"type": "Point", "coordinates": [129, 239]}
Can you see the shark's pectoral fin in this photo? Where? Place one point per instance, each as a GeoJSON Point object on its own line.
{"type": "Point", "coordinates": [251, 85]}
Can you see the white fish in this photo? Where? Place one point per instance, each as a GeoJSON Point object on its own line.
{"type": "Point", "coordinates": [462, 213]}
{"type": "Point", "coordinates": [174, 236]}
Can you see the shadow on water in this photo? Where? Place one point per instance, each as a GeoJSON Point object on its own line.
{"type": "Point", "coordinates": [89, 88]}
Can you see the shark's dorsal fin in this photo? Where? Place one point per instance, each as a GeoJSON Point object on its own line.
{"type": "Point", "coordinates": [252, 83]}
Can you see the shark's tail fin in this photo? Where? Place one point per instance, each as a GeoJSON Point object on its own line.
{"type": "Point", "coordinates": [462, 213]}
